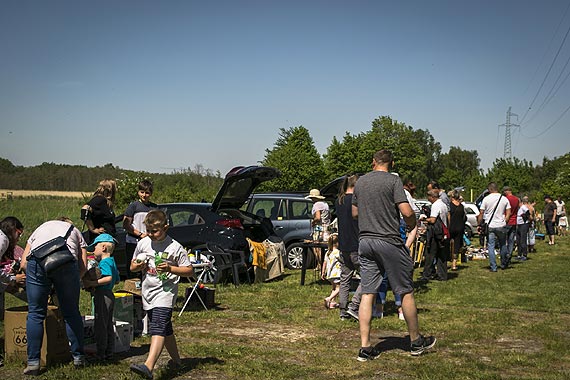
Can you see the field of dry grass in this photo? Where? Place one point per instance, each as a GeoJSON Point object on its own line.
{"type": "Point", "coordinates": [4, 193]}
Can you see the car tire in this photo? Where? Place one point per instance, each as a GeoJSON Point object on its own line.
{"type": "Point", "coordinates": [294, 256]}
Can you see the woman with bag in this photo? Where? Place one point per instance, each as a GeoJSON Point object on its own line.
{"type": "Point", "coordinates": [65, 278]}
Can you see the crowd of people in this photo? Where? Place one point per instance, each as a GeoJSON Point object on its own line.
{"type": "Point", "coordinates": [55, 261]}
{"type": "Point", "coordinates": [378, 220]}
{"type": "Point", "coordinates": [377, 224]}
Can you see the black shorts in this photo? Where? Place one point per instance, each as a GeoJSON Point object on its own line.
{"type": "Point", "coordinates": [160, 321]}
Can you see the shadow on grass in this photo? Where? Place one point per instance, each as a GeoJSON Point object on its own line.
{"type": "Point", "coordinates": [188, 364]}
{"type": "Point", "coordinates": [390, 343]}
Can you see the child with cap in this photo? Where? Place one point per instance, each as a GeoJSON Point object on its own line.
{"type": "Point", "coordinates": [103, 297]}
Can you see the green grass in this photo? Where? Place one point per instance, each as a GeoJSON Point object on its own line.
{"type": "Point", "coordinates": [507, 325]}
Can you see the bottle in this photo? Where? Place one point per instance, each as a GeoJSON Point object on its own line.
{"type": "Point", "coordinates": [157, 261]}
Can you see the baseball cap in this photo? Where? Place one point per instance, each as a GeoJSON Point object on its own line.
{"type": "Point", "coordinates": [103, 238]}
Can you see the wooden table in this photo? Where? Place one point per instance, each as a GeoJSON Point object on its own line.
{"type": "Point", "coordinates": [306, 245]}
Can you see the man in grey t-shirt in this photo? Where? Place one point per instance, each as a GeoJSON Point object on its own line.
{"type": "Point", "coordinates": [378, 201]}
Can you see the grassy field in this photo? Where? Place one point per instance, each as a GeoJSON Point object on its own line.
{"type": "Point", "coordinates": [507, 325]}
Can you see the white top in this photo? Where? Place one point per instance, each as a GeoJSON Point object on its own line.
{"type": "Point", "coordinates": [4, 243]}
{"type": "Point", "coordinates": [54, 228]}
{"type": "Point", "coordinates": [523, 209]}
{"type": "Point", "coordinates": [412, 202]}
{"type": "Point", "coordinates": [156, 292]}
{"type": "Point", "coordinates": [323, 207]}
{"type": "Point", "coordinates": [488, 206]}
{"type": "Point", "coordinates": [439, 210]}
{"type": "Point", "coordinates": [559, 206]}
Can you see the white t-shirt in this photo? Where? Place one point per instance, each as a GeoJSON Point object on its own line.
{"type": "Point", "coordinates": [323, 207]}
{"type": "Point", "coordinates": [54, 228]}
{"type": "Point", "coordinates": [559, 206]}
{"type": "Point", "coordinates": [4, 243]}
{"type": "Point", "coordinates": [439, 210]}
{"type": "Point", "coordinates": [488, 206]}
{"type": "Point", "coordinates": [412, 203]}
{"type": "Point", "coordinates": [156, 292]}
{"type": "Point", "coordinates": [523, 209]}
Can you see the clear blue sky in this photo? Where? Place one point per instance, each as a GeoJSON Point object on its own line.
{"type": "Point", "coordinates": [163, 85]}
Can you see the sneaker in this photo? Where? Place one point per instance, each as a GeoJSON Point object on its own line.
{"type": "Point", "coordinates": [142, 370]}
{"type": "Point", "coordinates": [401, 316]}
{"type": "Point", "coordinates": [366, 354]}
{"type": "Point", "coordinates": [377, 314]}
{"type": "Point", "coordinates": [352, 313]}
{"type": "Point", "coordinates": [422, 344]}
{"type": "Point", "coordinates": [32, 370]}
{"type": "Point", "coordinates": [344, 316]}
{"type": "Point", "coordinates": [79, 362]}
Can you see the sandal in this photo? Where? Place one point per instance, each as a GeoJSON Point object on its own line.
{"type": "Point", "coordinates": [333, 305]}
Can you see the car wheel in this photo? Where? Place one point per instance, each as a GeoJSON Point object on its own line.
{"type": "Point", "coordinates": [294, 257]}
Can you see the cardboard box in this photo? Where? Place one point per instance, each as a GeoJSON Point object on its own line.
{"type": "Point", "coordinates": [123, 335]}
{"type": "Point", "coordinates": [133, 285]}
{"type": "Point", "coordinates": [138, 312]}
{"type": "Point", "coordinates": [55, 345]}
{"type": "Point", "coordinates": [123, 310]}
{"type": "Point", "coordinates": [206, 294]}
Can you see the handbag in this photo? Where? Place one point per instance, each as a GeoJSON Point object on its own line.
{"type": "Point", "coordinates": [446, 234]}
{"type": "Point", "coordinates": [54, 253]}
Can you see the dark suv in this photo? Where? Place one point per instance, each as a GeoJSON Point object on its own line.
{"type": "Point", "coordinates": [290, 214]}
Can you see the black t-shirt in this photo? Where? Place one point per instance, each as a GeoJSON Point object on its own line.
{"type": "Point", "coordinates": [101, 216]}
{"type": "Point", "coordinates": [457, 220]}
{"type": "Point", "coordinates": [347, 225]}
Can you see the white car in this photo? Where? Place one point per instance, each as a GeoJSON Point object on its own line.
{"type": "Point", "coordinates": [472, 212]}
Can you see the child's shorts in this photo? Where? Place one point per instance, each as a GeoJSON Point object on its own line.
{"type": "Point", "coordinates": [160, 321]}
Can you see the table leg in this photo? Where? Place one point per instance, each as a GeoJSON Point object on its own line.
{"type": "Point", "coordinates": [304, 265]}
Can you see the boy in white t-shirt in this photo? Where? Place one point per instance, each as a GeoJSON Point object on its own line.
{"type": "Point", "coordinates": [162, 260]}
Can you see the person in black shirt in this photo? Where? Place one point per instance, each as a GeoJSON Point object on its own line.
{"type": "Point", "coordinates": [98, 212]}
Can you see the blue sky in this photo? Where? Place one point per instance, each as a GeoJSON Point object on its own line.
{"type": "Point", "coordinates": [164, 85]}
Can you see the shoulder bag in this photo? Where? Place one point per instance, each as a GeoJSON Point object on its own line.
{"type": "Point", "coordinates": [485, 225]}
{"type": "Point", "coordinates": [53, 253]}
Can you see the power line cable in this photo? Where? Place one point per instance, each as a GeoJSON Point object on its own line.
{"type": "Point", "coordinates": [551, 125]}
{"type": "Point", "coordinates": [550, 94]}
{"type": "Point", "coordinates": [546, 51]}
{"type": "Point", "coordinates": [549, 69]}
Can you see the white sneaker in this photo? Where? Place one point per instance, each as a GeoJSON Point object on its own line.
{"type": "Point", "coordinates": [401, 316]}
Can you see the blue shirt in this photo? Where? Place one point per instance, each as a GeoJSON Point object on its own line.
{"type": "Point", "coordinates": [109, 268]}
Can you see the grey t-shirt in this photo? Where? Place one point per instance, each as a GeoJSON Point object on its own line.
{"type": "Point", "coordinates": [377, 195]}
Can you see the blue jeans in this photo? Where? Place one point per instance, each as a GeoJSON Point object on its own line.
{"type": "Point", "coordinates": [384, 290]}
{"type": "Point", "coordinates": [67, 286]}
{"type": "Point", "coordinates": [511, 236]}
{"type": "Point", "coordinates": [497, 234]}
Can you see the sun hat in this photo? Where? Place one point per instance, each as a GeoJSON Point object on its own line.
{"type": "Point", "coordinates": [314, 193]}
{"type": "Point", "coordinates": [103, 238]}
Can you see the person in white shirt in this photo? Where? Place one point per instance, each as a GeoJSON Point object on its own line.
{"type": "Point", "coordinates": [438, 243]}
{"type": "Point", "coordinates": [495, 211]}
{"type": "Point", "coordinates": [523, 222]}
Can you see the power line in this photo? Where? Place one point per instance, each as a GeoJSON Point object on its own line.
{"type": "Point", "coordinates": [549, 69]}
{"type": "Point", "coordinates": [551, 125]}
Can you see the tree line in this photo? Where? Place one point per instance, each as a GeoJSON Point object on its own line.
{"type": "Point", "coordinates": [418, 157]}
